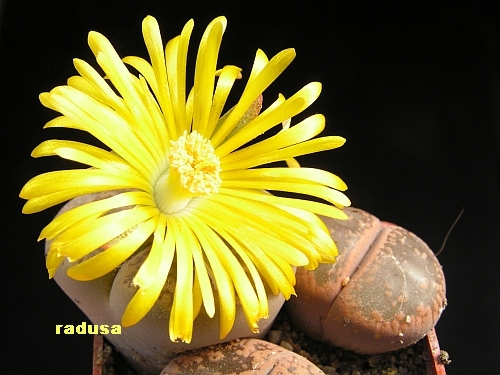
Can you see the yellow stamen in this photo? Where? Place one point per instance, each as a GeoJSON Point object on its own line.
{"type": "Point", "coordinates": [194, 170]}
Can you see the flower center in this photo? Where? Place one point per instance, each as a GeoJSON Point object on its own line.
{"type": "Point", "coordinates": [194, 170]}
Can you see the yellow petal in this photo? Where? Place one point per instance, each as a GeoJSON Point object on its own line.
{"type": "Point", "coordinates": [224, 84]}
{"type": "Point", "coordinates": [289, 175]}
{"type": "Point", "coordinates": [182, 314]}
{"type": "Point", "coordinates": [81, 240]}
{"type": "Point", "coordinates": [154, 44]}
{"type": "Point", "coordinates": [148, 272]}
{"type": "Point", "coordinates": [92, 115]}
{"type": "Point", "coordinates": [158, 127]}
{"type": "Point", "coordinates": [311, 206]}
{"type": "Point", "coordinates": [272, 273]}
{"type": "Point", "coordinates": [206, 65]}
{"type": "Point", "coordinates": [145, 69]}
{"type": "Point", "coordinates": [320, 234]}
{"type": "Point", "coordinates": [200, 268]}
{"type": "Point", "coordinates": [38, 204]}
{"type": "Point", "coordinates": [301, 132]}
{"type": "Point", "coordinates": [53, 261]}
{"type": "Point", "coordinates": [249, 228]}
{"type": "Point", "coordinates": [48, 148]}
{"type": "Point", "coordinates": [117, 72]}
{"type": "Point", "coordinates": [259, 63]}
{"type": "Point", "coordinates": [308, 147]}
{"type": "Point", "coordinates": [150, 286]}
{"type": "Point", "coordinates": [106, 94]}
{"type": "Point", "coordinates": [176, 59]}
{"type": "Point", "coordinates": [253, 89]}
{"type": "Point", "coordinates": [73, 216]}
{"type": "Point", "coordinates": [216, 251]}
{"type": "Point", "coordinates": [273, 219]}
{"type": "Point", "coordinates": [61, 121]}
{"type": "Point", "coordinates": [274, 224]}
{"type": "Point", "coordinates": [330, 195]}
{"type": "Point", "coordinates": [257, 280]}
{"type": "Point", "coordinates": [82, 85]}
{"type": "Point", "coordinates": [269, 118]}
{"type": "Point", "coordinates": [52, 182]}
{"type": "Point", "coordinates": [109, 259]}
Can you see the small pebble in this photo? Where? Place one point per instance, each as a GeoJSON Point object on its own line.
{"type": "Point", "coordinates": [286, 345]}
{"type": "Point", "coordinates": [329, 370]}
{"type": "Point", "coordinates": [275, 336]}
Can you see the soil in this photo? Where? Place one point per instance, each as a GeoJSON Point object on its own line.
{"type": "Point", "coordinates": [332, 360]}
{"type": "Point", "coordinates": [336, 361]}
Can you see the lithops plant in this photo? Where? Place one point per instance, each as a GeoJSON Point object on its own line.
{"type": "Point", "coordinates": [241, 357]}
{"type": "Point", "coordinates": [189, 243]}
{"type": "Point", "coordinates": [386, 291]}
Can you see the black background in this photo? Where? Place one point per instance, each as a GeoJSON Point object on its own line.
{"type": "Point", "coordinates": [415, 89]}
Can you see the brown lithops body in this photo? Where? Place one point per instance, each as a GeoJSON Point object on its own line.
{"type": "Point", "coordinates": [242, 357]}
{"type": "Point", "coordinates": [386, 291]}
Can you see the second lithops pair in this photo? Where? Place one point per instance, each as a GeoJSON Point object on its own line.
{"type": "Point", "coordinates": [386, 291]}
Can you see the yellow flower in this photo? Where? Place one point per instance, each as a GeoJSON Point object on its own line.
{"type": "Point", "coordinates": [186, 180]}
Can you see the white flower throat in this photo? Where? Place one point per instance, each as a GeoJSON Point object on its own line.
{"type": "Point", "coordinates": [193, 171]}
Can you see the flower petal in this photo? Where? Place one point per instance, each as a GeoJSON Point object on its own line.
{"type": "Point", "coordinates": [200, 268]}
{"type": "Point", "coordinates": [224, 84]}
{"type": "Point", "coordinates": [145, 69]}
{"type": "Point", "coordinates": [74, 179]}
{"type": "Point", "coordinates": [301, 132]}
{"type": "Point", "coordinates": [152, 38]}
{"type": "Point", "coordinates": [81, 240]}
{"type": "Point", "coordinates": [60, 121]}
{"type": "Point", "coordinates": [91, 115]}
{"type": "Point", "coordinates": [289, 175]}
{"type": "Point", "coordinates": [152, 275]}
{"type": "Point", "coordinates": [204, 76]}
{"type": "Point", "coordinates": [252, 90]}
{"type": "Point", "coordinates": [49, 148]}
{"type": "Point", "coordinates": [217, 253]}
{"type": "Point", "coordinates": [308, 147]}
{"type": "Point", "coordinates": [112, 257]}
{"type": "Point", "coordinates": [182, 314]}
{"type": "Point", "coordinates": [52, 261]}
{"type": "Point", "coordinates": [308, 188]}
{"type": "Point", "coordinates": [272, 273]}
{"type": "Point", "coordinates": [257, 280]}
{"type": "Point", "coordinates": [105, 95]}
{"type": "Point", "coordinates": [99, 207]}
{"type": "Point", "coordinates": [250, 228]}
{"type": "Point", "coordinates": [176, 55]}
{"type": "Point", "coordinates": [311, 206]}
{"type": "Point", "coordinates": [269, 118]}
